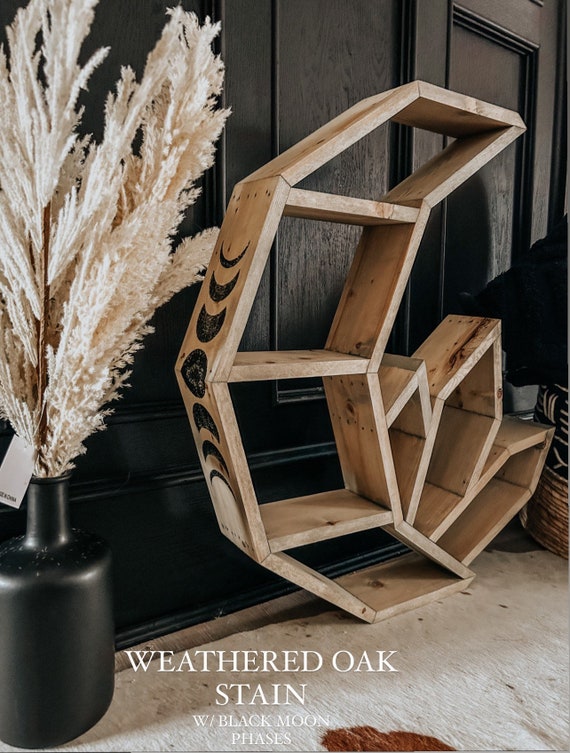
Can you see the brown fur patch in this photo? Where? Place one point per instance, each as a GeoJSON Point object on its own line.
{"type": "Point", "coordinates": [370, 739]}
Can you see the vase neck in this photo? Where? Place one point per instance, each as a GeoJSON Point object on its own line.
{"type": "Point", "coordinates": [48, 512]}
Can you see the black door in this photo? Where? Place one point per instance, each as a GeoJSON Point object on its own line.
{"type": "Point", "coordinates": [291, 66]}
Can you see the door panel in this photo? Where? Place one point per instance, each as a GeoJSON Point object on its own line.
{"type": "Point", "coordinates": [291, 65]}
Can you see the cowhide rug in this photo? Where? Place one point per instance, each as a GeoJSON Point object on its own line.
{"type": "Point", "coordinates": [483, 670]}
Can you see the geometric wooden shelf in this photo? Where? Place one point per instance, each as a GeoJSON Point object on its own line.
{"type": "Point", "coordinates": [425, 452]}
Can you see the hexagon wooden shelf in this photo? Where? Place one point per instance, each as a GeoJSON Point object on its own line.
{"type": "Point", "coordinates": [424, 450]}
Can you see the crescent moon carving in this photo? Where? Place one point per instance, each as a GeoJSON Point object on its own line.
{"type": "Point", "coordinates": [208, 448]}
{"type": "Point", "coordinates": [204, 420]}
{"type": "Point", "coordinates": [208, 325]}
{"type": "Point", "coordinates": [228, 263]}
{"type": "Point", "coordinates": [216, 474]}
{"type": "Point", "coordinates": [194, 371]}
{"type": "Point", "coordinates": [219, 292]}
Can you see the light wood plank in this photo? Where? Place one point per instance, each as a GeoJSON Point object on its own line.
{"type": "Point", "coordinates": [296, 572]}
{"type": "Point", "coordinates": [225, 468]}
{"type": "Point", "coordinates": [435, 506]}
{"type": "Point", "coordinates": [516, 435]}
{"type": "Point", "coordinates": [239, 258]}
{"type": "Point", "coordinates": [445, 172]}
{"type": "Point", "coordinates": [453, 349]}
{"type": "Point", "coordinates": [252, 366]}
{"type": "Point", "coordinates": [399, 380]}
{"type": "Point", "coordinates": [407, 451]}
{"type": "Point", "coordinates": [313, 205]}
{"type": "Point", "coordinates": [304, 520]}
{"type": "Point", "coordinates": [487, 514]}
{"type": "Point", "coordinates": [461, 448]}
{"type": "Point", "coordinates": [374, 288]}
{"type": "Point", "coordinates": [511, 463]}
{"type": "Point", "coordinates": [361, 435]}
{"type": "Point", "coordinates": [524, 467]}
{"type": "Point", "coordinates": [455, 114]}
{"type": "Point", "coordinates": [246, 498]}
{"type": "Point", "coordinates": [415, 540]}
{"type": "Point", "coordinates": [481, 390]}
{"type": "Point", "coordinates": [400, 585]}
{"type": "Point", "coordinates": [337, 135]}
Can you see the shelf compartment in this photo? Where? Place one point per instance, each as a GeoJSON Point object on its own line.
{"type": "Point", "coordinates": [303, 520]}
{"type": "Point", "coordinates": [362, 441]}
{"type": "Point", "coordinates": [514, 457]}
{"type": "Point", "coordinates": [400, 377]}
{"type": "Point", "coordinates": [436, 505]}
{"type": "Point", "coordinates": [407, 404]}
{"type": "Point", "coordinates": [313, 205]}
{"type": "Point", "coordinates": [401, 584]}
{"type": "Point", "coordinates": [253, 366]}
{"type": "Point", "coordinates": [374, 288]}
{"type": "Point", "coordinates": [462, 445]}
{"type": "Point", "coordinates": [485, 516]}
{"type": "Point", "coordinates": [453, 351]}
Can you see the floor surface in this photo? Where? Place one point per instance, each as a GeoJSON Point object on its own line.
{"type": "Point", "coordinates": [484, 669]}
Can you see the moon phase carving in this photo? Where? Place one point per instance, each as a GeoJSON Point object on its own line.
{"type": "Point", "coordinates": [229, 263]}
{"type": "Point", "coordinates": [204, 420]}
{"type": "Point", "coordinates": [219, 292]}
{"type": "Point", "coordinates": [194, 370]}
{"type": "Point", "coordinates": [432, 461]}
{"type": "Point", "coordinates": [208, 448]}
{"type": "Point", "coordinates": [209, 325]}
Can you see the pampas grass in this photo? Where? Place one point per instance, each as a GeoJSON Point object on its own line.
{"type": "Point", "coordinates": [86, 228]}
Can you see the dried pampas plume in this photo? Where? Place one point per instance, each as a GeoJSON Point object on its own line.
{"type": "Point", "coordinates": [86, 228]}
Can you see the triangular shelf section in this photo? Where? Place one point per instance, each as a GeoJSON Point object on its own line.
{"type": "Point", "coordinates": [425, 452]}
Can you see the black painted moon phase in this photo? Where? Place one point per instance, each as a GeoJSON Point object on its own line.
{"type": "Point", "coordinates": [219, 292]}
{"type": "Point", "coordinates": [204, 420]}
{"type": "Point", "coordinates": [228, 263]}
{"type": "Point", "coordinates": [194, 371]}
{"type": "Point", "coordinates": [208, 325]}
{"type": "Point", "coordinates": [208, 448]}
{"type": "Point", "coordinates": [216, 474]}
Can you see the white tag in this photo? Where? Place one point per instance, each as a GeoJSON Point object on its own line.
{"type": "Point", "coordinates": [16, 471]}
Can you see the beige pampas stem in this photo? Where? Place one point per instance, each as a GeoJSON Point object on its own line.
{"type": "Point", "coordinates": [86, 228]}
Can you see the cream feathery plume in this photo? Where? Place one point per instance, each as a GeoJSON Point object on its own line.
{"type": "Point", "coordinates": [86, 228]}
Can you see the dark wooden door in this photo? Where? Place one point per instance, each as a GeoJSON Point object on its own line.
{"type": "Point", "coordinates": [291, 66]}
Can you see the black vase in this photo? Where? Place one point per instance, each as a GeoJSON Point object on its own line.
{"type": "Point", "coordinates": [56, 625]}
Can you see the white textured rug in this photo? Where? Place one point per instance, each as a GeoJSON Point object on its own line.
{"type": "Point", "coordinates": [482, 670]}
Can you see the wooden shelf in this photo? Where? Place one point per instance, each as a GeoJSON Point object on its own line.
{"type": "Point", "coordinates": [420, 442]}
{"type": "Point", "coordinates": [514, 457]}
{"type": "Point", "coordinates": [327, 207]}
{"type": "Point", "coordinates": [402, 584]}
{"type": "Point", "coordinates": [516, 435]}
{"type": "Point", "coordinates": [303, 520]}
{"type": "Point", "coordinates": [485, 516]}
{"type": "Point", "coordinates": [252, 366]}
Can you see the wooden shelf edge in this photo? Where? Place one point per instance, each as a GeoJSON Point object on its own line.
{"type": "Point", "coordinates": [313, 205]}
{"type": "Point", "coordinates": [401, 585]}
{"type": "Point", "coordinates": [305, 520]}
{"type": "Point", "coordinates": [253, 366]}
{"type": "Point", "coordinates": [516, 435]}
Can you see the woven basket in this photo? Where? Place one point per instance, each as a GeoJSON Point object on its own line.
{"type": "Point", "coordinates": [545, 517]}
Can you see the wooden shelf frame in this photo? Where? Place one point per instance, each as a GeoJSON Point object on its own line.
{"type": "Point", "coordinates": [424, 450]}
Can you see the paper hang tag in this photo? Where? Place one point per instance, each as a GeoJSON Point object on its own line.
{"type": "Point", "coordinates": [16, 471]}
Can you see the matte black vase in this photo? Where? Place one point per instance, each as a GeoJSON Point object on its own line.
{"type": "Point", "coordinates": [56, 625]}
